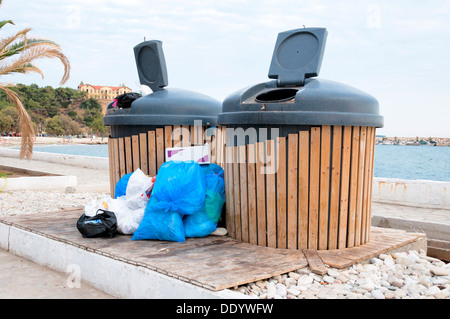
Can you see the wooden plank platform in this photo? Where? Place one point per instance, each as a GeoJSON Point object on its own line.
{"type": "Point", "coordinates": [213, 262]}
{"type": "Point", "coordinates": [381, 241]}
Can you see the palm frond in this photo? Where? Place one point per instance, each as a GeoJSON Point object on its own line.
{"type": "Point", "coordinates": [37, 52]}
{"type": "Point", "coordinates": [23, 69]}
{"type": "Point", "coordinates": [19, 46]}
{"type": "Point", "coordinates": [8, 40]}
{"type": "Point", "coordinates": [2, 23]}
{"type": "Point", "coordinates": [26, 126]}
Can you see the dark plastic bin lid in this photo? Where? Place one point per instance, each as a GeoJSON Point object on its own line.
{"type": "Point", "coordinates": [165, 106]}
{"type": "Point", "coordinates": [295, 97]}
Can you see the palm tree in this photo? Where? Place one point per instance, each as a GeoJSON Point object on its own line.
{"type": "Point", "coordinates": [17, 54]}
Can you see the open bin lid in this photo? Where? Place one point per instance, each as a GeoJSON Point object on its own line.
{"type": "Point", "coordinates": [296, 97]}
{"type": "Point", "coordinates": [165, 106]}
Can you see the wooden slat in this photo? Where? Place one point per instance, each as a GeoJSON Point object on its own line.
{"type": "Point", "coordinates": [112, 183]}
{"type": "Point", "coordinates": [185, 136]}
{"type": "Point", "coordinates": [218, 145]}
{"type": "Point", "coordinates": [281, 193]}
{"type": "Point", "coordinates": [151, 139]}
{"type": "Point", "coordinates": [324, 185]}
{"type": "Point", "coordinates": [243, 191]}
{"type": "Point", "coordinates": [128, 155]}
{"type": "Point", "coordinates": [121, 148]}
{"type": "Point", "coordinates": [213, 145]}
{"type": "Point", "coordinates": [371, 179]}
{"type": "Point", "coordinates": [315, 263]}
{"type": "Point", "coordinates": [370, 140]}
{"type": "Point", "coordinates": [159, 147]}
{"type": "Point", "coordinates": [314, 175]}
{"type": "Point", "coordinates": [230, 192]}
{"type": "Point", "coordinates": [251, 192]}
{"type": "Point", "coordinates": [143, 152]}
{"type": "Point", "coordinates": [192, 134]}
{"type": "Point", "coordinates": [292, 189]}
{"type": "Point", "coordinates": [261, 194]}
{"type": "Point", "coordinates": [198, 134]}
{"type": "Point", "coordinates": [366, 180]}
{"type": "Point", "coordinates": [115, 154]}
{"type": "Point", "coordinates": [237, 194]}
{"type": "Point", "coordinates": [353, 192]}
{"type": "Point", "coordinates": [224, 139]}
{"type": "Point", "coordinates": [345, 180]}
{"type": "Point", "coordinates": [135, 150]}
{"type": "Point", "coordinates": [271, 208]}
{"type": "Point", "coordinates": [167, 139]}
{"type": "Point", "coordinates": [303, 189]}
{"type": "Point", "coordinates": [359, 198]}
{"type": "Point", "coordinates": [335, 187]}
{"type": "Point", "coordinates": [176, 136]}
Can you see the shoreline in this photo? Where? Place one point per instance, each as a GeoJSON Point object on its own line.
{"type": "Point", "coordinates": [45, 140]}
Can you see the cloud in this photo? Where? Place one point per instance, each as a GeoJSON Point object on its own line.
{"type": "Point", "coordinates": [388, 49]}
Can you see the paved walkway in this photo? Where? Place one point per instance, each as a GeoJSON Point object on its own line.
{"type": "Point", "coordinates": [24, 279]}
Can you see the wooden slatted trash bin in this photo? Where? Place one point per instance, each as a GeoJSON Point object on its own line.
{"type": "Point", "coordinates": [165, 118]}
{"type": "Point", "coordinates": [299, 154]}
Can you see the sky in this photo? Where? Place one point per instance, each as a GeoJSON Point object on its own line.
{"type": "Point", "coordinates": [397, 51]}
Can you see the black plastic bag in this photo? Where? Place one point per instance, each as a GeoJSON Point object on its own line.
{"type": "Point", "coordinates": [100, 225]}
{"type": "Point", "coordinates": [124, 100]}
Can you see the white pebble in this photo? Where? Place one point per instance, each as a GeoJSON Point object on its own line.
{"type": "Point", "coordinates": [304, 280]}
{"type": "Point", "coordinates": [378, 294]}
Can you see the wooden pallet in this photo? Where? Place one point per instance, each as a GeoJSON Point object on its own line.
{"type": "Point", "coordinates": [212, 262]}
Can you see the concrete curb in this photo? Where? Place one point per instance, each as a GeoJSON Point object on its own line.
{"type": "Point", "coordinates": [433, 230]}
{"type": "Point", "coordinates": [73, 160]}
{"type": "Point", "coordinates": [38, 183]}
{"type": "Point", "coordinates": [117, 278]}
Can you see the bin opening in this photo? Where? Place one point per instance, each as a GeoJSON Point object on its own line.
{"type": "Point", "coordinates": [277, 95]}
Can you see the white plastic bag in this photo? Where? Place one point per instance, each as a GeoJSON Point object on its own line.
{"type": "Point", "coordinates": [128, 219]}
{"type": "Point", "coordinates": [94, 205]}
{"type": "Point", "coordinates": [138, 190]}
{"type": "Point", "coordinates": [129, 209]}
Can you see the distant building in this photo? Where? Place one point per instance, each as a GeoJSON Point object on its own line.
{"type": "Point", "coordinates": [105, 94]}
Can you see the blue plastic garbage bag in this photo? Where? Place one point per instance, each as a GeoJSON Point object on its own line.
{"type": "Point", "coordinates": [179, 190]}
{"type": "Point", "coordinates": [204, 222]}
{"type": "Point", "coordinates": [121, 186]}
{"type": "Point", "coordinates": [159, 224]}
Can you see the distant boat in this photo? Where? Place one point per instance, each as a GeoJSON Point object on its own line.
{"type": "Point", "coordinates": [413, 143]}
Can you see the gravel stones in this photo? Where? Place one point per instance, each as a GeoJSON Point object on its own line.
{"type": "Point", "coordinates": [35, 202]}
{"type": "Point", "coordinates": [404, 275]}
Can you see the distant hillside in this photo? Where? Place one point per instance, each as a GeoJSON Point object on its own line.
{"type": "Point", "coordinates": [60, 111]}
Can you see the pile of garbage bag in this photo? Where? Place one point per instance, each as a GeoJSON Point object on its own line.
{"type": "Point", "coordinates": [185, 199]}
{"type": "Point", "coordinates": [132, 193]}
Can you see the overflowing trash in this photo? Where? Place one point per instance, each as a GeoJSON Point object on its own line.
{"type": "Point", "coordinates": [132, 195]}
{"type": "Point", "coordinates": [184, 200]}
{"type": "Point", "coordinates": [102, 224]}
{"type": "Point", "coordinates": [124, 100]}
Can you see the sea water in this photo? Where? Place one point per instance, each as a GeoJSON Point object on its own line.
{"type": "Point", "coordinates": [412, 162]}
{"type": "Point", "coordinates": [391, 161]}
{"type": "Point", "coordinates": [97, 150]}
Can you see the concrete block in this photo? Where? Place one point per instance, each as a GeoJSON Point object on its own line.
{"type": "Point", "coordinates": [4, 236]}
{"type": "Point", "coordinates": [421, 193]}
